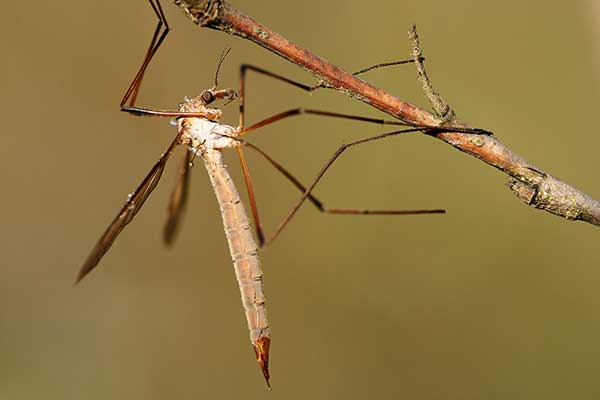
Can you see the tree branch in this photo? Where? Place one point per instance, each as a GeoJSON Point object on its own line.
{"type": "Point", "coordinates": [528, 183]}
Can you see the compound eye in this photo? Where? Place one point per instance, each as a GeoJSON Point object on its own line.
{"type": "Point", "coordinates": [207, 96]}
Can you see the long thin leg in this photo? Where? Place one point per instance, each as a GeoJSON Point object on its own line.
{"type": "Point", "coordinates": [335, 156]}
{"type": "Point", "coordinates": [245, 67]}
{"type": "Point", "coordinates": [290, 113]}
{"type": "Point", "coordinates": [242, 92]}
{"type": "Point", "coordinates": [296, 111]}
{"type": "Point", "coordinates": [242, 101]}
{"type": "Point", "coordinates": [317, 203]}
{"type": "Point", "coordinates": [147, 112]}
{"type": "Point", "coordinates": [155, 43]}
{"type": "Point", "coordinates": [382, 65]}
{"type": "Point", "coordinates": [308, 88]}
{"type": "Point", "coordinates": [320, 206]}
{"type": "Point", "coordinates": [252, 197]}
{"type": "Point", "coordinates": [134, 202]}
{"type": "Point", "coordinates": [134, 87]}
{"type": "Point", "coordinates": [299, 111]}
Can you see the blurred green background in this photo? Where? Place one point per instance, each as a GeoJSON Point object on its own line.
{"type": "Point", "coordinates": [493, 300]}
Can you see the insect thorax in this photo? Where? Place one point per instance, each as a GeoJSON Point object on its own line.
{"type": "Point", "coordinates": [205, 133]}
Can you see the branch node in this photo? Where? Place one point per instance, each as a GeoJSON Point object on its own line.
{"type": "Point", "coordinates": [201, 12]}
{"type": "Point", "coordinates": [523, 190]}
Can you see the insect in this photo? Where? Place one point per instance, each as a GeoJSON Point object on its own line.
{"type": "Point", "coordinates": [199, 130]}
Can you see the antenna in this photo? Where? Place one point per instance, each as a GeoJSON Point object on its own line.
{"type": "Point", "coordinates": [221, 59]}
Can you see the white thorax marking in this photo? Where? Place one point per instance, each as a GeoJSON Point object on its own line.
{"type": "Point", "coordinates": [205, 133]}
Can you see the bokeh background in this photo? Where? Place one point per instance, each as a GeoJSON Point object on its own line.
{"type": "Point", "coordinates": [493, 300]}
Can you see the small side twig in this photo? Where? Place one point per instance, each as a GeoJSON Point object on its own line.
{"type": "Point", "coordinates": [529, 183]}
{"type": "Point", "coordinates": [440, 106]}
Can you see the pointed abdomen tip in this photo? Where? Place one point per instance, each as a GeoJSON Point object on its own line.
{"type": "Point", "coordinates": [261, 349]}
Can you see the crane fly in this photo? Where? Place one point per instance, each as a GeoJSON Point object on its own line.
{"type": "Point", "coordinates": [199, 130]}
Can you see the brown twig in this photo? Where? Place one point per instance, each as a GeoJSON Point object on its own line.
{"type": "Point", "coordinates": [530, 184]}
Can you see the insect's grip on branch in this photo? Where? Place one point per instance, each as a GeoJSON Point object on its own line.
{"type": "Point", "coordinates": [545, 191]}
